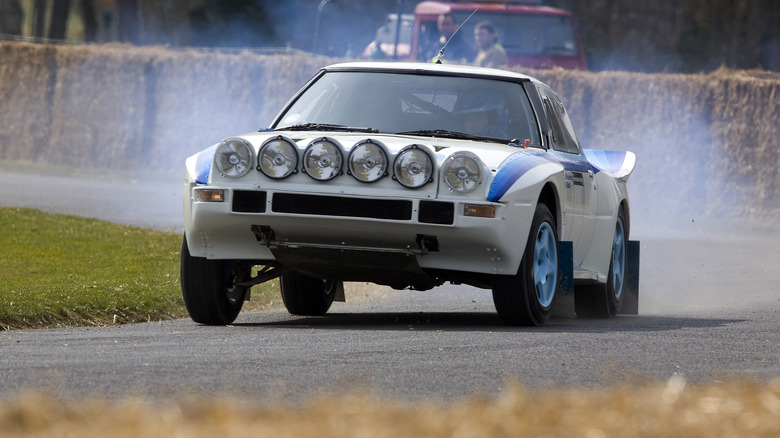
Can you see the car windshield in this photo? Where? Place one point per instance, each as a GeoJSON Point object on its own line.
{"type": "Point", "coordinates": [444, 106]}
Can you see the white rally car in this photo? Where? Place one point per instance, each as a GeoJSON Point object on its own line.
{"type": "Point", "coordinates": [412, 175]}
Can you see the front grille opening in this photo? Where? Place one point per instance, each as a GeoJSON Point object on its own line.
{"type": "Point", "coordinates": [434, 212]}
{"type": "Point", "coordinates": [249, 201]}
{"type": "Point", "coordinates": [389, 209]}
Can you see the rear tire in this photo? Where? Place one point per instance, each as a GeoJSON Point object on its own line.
{"type": "Point", "coordinates": [605, 300]}
{"type": "Point", "coordinates": [208, 287]}
{"type": "Point", "coordinates": [307, 296]}
{"type": "Point", "coordinates": [527, 298]}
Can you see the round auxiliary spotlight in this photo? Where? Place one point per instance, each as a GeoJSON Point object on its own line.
{"type": "Point", "coordinates": [278, 157]}
{"type": "Point", "coordinates": [368, 161]}
{"type": "Point", "coordinates": [413, 167]}
{"type": "Point", "coordinates": [322, 159]}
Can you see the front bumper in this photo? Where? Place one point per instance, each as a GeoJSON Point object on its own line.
{"type": "Point", "coordinates": [356, 238]}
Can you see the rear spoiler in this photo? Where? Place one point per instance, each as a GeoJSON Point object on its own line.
{"type": "Point", "coordinates": [619, 163]}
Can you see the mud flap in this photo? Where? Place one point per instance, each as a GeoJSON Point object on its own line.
{"type": "Point", "coordinates": [338, 294]}
{"type": "Point", "coordinates": [564, 293]}
{"type": "Point", "coordinates": [631, 286]}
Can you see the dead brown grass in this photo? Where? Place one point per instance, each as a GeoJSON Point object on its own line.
{"type": "Point", "coordinates": [706, 142]}
{"type": "Point", "coordinates": [671, 409]}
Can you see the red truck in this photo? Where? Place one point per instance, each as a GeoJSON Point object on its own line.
{"type": "Point", "coordinates": [533, 35]}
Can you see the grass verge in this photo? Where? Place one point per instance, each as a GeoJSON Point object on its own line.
{"type": "Point", "coordinates": [65, 271]}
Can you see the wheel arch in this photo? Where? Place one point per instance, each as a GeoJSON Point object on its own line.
{"type": "Point", "coordinates": [549, 196]}
{"type": "Point", "coordinates": [627, 212]}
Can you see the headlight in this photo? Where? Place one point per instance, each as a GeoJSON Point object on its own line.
{"type": "Point", "coordinates": [278, 157]}
{"type": "Point", "coordinates": [462, 172]}
{"type": "Point", "coordinates": [322, 159]}
{"type": "Point", "coordinates": [234, 157]}
{"type": "Point", "coordinates": [413, 167]}
{"type": "Point", "coordinates": [367, 161]}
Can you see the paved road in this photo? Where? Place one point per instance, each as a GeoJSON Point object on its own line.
{"type": "Point", "coordinates": [152, 203]}
{"type": "Point", "coordinates": [709, 308]}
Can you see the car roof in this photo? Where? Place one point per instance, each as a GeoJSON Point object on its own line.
{"type": "Point", "coordinates": [432, 69]}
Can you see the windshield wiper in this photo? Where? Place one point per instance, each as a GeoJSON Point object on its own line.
{"type": "Point", "coordinates": [325, 127]}
{"type": "Point", "coordinates": [443, 133]}
{"type": "Point", "coordinates": [440, 133]}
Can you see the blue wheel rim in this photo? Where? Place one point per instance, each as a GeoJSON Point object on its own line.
{"type": "Point", "coordinates": [619, 259]}
{"type": "Point", "coordinates": [545, 265]}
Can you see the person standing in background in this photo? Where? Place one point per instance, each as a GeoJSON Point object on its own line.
{"type": "Point", "coordinates": [458, 48]}
{"type": "Point", "coordinates": [491, 53]}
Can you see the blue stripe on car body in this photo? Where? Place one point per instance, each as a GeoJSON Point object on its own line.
{"type": "Point", "coordinates": [519, 164]}
{"type": "Point", "coordinates": [510, 171]}
{"type": "Point", "coordinates": [579, 165]}
{"type": "Point", "coordinates": [203, 165]}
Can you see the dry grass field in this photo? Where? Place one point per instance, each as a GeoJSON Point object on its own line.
{"type": "Point", "coordinates": [706, 143]}
{"type": "Point", "coordinates": [670, 409]}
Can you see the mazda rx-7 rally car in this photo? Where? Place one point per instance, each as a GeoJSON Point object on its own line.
{"type": "Point", "coordinates": [412, 175]}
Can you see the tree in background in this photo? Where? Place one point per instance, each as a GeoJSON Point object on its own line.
{"type": "Point", "coordinates": [687, 36]}
{"type": "Point", "coordinates": [231, 23]}
{"type": "Point", "coordinates": [59, 19]}
{"type": "Point", "coordinates": [49, 19]}
{"type": "Point", "coordinates": [11, 15]}
{"type": "Point", "coordinates": [128, 21]}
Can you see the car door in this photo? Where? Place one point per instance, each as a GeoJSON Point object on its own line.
{"type": "Point", "coordinates": [578, 173]}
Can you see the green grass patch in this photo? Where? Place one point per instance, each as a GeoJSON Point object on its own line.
{"type": "Point", "coordinates": [65, 271]}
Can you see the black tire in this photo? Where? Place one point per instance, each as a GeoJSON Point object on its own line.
{"type": "Point", "coordinates": [307, 296]}
{"type": "Point", "coordinates": [208, 287]}
{"type": "Point", "coordinates": [527, 298]}
{"type": "Point", "coordinates": [605, 300]}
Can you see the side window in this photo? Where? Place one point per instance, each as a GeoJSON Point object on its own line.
{"type": "Point", "coordinates": [557, 134]}
{"type": "Point", "coordinates": [568, 128]}
{"type": "Point", "coordinates": [563, 137]}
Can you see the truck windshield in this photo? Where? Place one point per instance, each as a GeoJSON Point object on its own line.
{"type": "Point", "coordinates": [405, 103]}
{"type": "Point", "coordinates": [519, 34]}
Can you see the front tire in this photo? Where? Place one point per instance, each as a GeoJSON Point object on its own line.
{"type": "Point", "coordinates": [527, 298]}
{"type": "Point", "coordinates": [208, 287]}
{"type": "Point", "coordinates": [605, 300]}
{"type": "Point", "coordinates": [307, 296]}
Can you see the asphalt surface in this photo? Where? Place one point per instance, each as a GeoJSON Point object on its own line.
{"type": "Point", "coordinates": [155, 203]}
{"type": "Point", "coordinates": [709, 310]}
